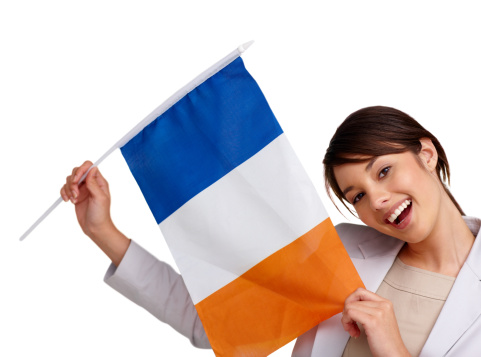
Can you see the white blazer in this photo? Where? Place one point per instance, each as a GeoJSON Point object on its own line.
{"type": "Point", "coordinates": [155, 286]}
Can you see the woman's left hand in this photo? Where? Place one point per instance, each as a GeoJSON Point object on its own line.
{"type": "Point", "coordinates": [376, 315]}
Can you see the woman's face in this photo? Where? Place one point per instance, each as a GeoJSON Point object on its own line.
{"type": "Point", "coordinates": [395, 194]}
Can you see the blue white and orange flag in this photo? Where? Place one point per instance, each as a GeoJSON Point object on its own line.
{"type": "Point", "coordinates": [245, 225]}
{"type": "Point", "coordinates": [251, 238]}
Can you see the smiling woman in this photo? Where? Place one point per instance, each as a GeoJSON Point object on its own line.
{"type": "Point", "coordinates": [395, 173]}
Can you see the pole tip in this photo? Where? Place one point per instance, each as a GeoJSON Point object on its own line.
{"type": "Point", "coordinates": [245, 46]}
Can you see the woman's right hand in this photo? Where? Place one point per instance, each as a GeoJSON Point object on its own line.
{"type": "Point", "coordinates": [92, 206]}
{"type": "Point", "coordinates": [91, 199]}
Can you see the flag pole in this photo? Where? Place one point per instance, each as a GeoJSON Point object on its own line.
{"type": "Point", "coordinates": [152, 116]}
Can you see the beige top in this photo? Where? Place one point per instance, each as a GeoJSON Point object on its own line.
{"type": "Point", "coordinates": [418, 296]}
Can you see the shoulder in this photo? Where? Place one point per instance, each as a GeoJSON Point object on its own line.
{"type": "Point", "coordinates": [474, 224]}
{"type": "Point", "coordinates": [355, 236]}
{"type": "Point", "coordinates": [346, 230]}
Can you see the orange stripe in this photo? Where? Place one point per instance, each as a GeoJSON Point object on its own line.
{"type": "Point", "coordinates": [280, 298]}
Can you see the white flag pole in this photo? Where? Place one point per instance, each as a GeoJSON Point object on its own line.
{"type": "Point", "coordinates": [152, 116]}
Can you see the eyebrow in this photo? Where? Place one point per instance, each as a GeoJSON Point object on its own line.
{"type": "Point", "coordinates": [371, 162]}
{"type": "Point", "coordinates": [347, 190]}
{"type": "Point", "coordinates": [368, 167]}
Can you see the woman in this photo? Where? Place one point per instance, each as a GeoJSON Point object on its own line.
{"type": "Point", "coordinates": [392, 172]}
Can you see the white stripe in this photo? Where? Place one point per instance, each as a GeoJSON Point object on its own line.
{"type": "Point", "coordinates": [255, 210]}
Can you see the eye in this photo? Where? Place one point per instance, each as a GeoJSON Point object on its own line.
{"type": "Point", "coordinates": [384, 171]}
{"type": "Point", "coordinates": [357, 198]}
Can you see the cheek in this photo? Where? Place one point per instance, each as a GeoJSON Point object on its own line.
{"type": "Point", "coordinates": [424, 183]}
{"type": "Point", "coordinates": [416, 182]}
{"type": "Point", "coordinates": [366, 215]}
{"type": "Point", "coordinates": [423, 188]}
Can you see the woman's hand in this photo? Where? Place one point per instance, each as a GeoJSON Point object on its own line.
{"type": "Point", "coordinates": [376, 315]}
{"type": "Point", "coordinates": [92, 206]}
{"type": "Point", "coordinates": [91, 199]}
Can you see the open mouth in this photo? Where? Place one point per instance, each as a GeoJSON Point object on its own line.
{"type": "Point", "coordinates": [400, 213]}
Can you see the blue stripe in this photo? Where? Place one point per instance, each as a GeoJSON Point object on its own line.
{"type": "Point", "coordinates": [209, 132]}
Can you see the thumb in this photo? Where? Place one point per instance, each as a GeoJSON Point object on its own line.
{"type": "Point", "coordinates": [97, 184]}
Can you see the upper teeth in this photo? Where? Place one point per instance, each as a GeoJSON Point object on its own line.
{"type": "Point", "coordinates": [398, 210]}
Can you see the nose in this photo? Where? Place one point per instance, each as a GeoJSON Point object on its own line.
{"type": "Point", "coordinates": [379, 199]}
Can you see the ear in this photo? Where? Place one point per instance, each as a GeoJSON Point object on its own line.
{"type": "Point", "coordinates": [428, 154]}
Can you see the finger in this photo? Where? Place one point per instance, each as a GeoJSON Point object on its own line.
{"type": "Point", "coordinates": [74, 179]}
{"type": "Point", "coordinates": [74, 170]}
{"type": "Point", "coordinates": [370, 320]}
{"type": "Point", "coordinates": [358, 307]}
{"type": "Point", "coordinates": [101, 181]}
{"type": "Point", "coordinates": [370, 314]}
{"type": "Point", "coordinates": [66, 188]}
{"type": "Point", "coordinates": [359, 314]}
{"type": "Point", "coordinates": [78, 172]}
{"type": "Point", "coordinates": [362, 312]}
{"type": "Point", "coordinates": [63, 193]}
{"type": "Point", "coordinates": [358, 303]}
{"type": "Point", "coordinates": [71, 189]}
{"type": "Point", "coordinates": [366, 305]}
{"type": "Point", "coordinates": [362, 295]}
{"type": "Point", "coordinates": [96, 184]}
{"type": "Point", "coordinates": [350, 325]}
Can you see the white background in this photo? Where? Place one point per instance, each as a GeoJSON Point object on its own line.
{"type": "Point", "coordinates": [76, 76]}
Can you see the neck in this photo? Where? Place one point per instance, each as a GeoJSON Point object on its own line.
{"type": "Point", "coordinates": [446, 249]}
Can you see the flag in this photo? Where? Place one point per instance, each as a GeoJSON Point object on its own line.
{"type": "Point", "coordinates": [244, 223]}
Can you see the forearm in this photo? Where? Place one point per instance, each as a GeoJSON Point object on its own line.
{"type": "Point", "coordinates": [112, 242]}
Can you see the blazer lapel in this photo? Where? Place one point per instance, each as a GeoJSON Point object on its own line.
{"type": "Point", "coordinates": [463, 305]}
{"type": "Point", "coordinates": [378, 257]}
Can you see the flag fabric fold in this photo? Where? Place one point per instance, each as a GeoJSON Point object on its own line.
{"type": "Point", "coordinates": [248, 232]}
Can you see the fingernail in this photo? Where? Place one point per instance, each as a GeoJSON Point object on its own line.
{"type": "Point", "coordinates": [74, 178]}
{"type": "Point", "coordinates": [74, 193]}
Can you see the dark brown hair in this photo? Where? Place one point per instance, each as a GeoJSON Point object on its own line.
{"type": "Point", "coordinates": [376, 131]}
